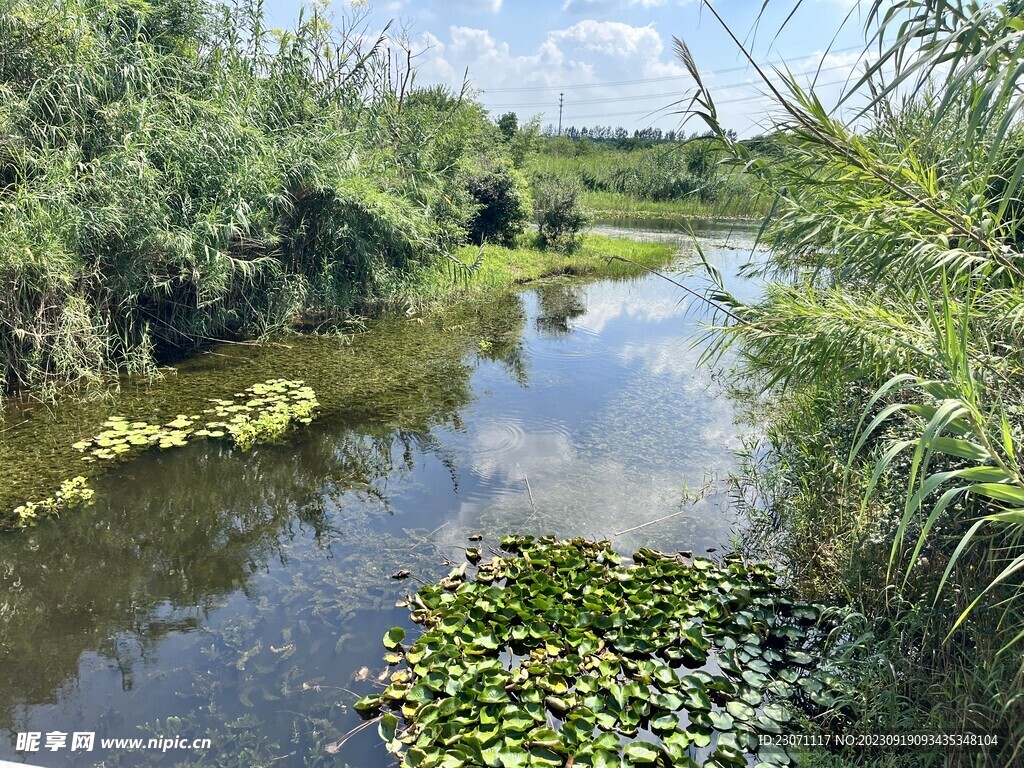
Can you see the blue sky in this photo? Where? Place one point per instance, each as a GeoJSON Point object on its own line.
{"type": "Point", "coordinates": [613, 59]}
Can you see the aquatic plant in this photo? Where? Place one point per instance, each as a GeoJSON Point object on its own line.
{"type": "Point", "coordinates": [889, 334]}
{"type": "Point", "coordinates": [554, 653]}
{"type": "Point", "coordinates": [263, 413]}
{"type": "Point", "coordinates": [73, 493]}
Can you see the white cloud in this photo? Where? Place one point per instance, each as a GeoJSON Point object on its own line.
{"type": "Point", "coordinates": [604, 5]}
{"type": "Point", "coordinates": [395, 6]}
{"type": "Point", "coordinates": [612, 38]}
{"type": "Point", "coordinates": [590, 53]}
{"type": "Point", "coordinates": [493, 6]}
{"type": "Point", "coordinates": [586, 53]}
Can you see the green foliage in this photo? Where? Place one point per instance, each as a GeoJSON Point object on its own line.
{"type": "Point", "coordinates": [895, 293]}
{"type": "Point", "coordinates": [551, 652]}
{"type": "Point", "coordinates": [671, 180]}
{"type": "Point", "coordinates": [73, 493]}
{"type": "Point", "coordinates": [172, 172]}
{"type": "Point", "coordinates": [505, 207]}
{"type": "Point", "coordinates": [675, 172]}
{"type": "Point", "coordinates": [559, 211]}
{"type": "Point", "coordinates": [508, 125]}
{"type": "Point", "coordinates": [262, 413]}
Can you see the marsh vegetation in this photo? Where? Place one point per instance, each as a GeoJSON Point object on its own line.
{"type": "Point", "coordinates": [888, 342]}
{"type": "Point", "coordinates": [175, 174]}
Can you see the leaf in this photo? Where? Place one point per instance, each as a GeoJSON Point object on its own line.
{"type": "Point", "coordinates": [722, 721]}
{"type": "Point", "coordinates": [394, 637]}
{"type": "Point", "coordinates": [387, 727]}
{"type": "Point", "coordinates": [1010, 494]}
{"type": "Point", "coordinates": [513, 757]}
{"type": "Point", "coordinates": [739, 710]}
{"type": "Point", "coordinates": [642, 753]}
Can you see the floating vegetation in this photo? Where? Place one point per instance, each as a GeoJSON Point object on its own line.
{"type": "Point", "coordinates": [73, 493]}
{"type": "Point", "coordinates": [262, 413]}
{"type": "Point", "coordinates": [554, 654]}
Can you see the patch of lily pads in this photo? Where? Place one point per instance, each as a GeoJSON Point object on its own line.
{"type": "Point", "coordinates": [73, 493]}
{"type": "Point", "coordinates": [557, 653]}
{"type": "Point", "coordinates": [262, 413]}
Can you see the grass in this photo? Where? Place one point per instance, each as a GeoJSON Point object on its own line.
{"type": "Point", "coordinates": [617, 204]}
{"type": "Point", "coordinates": [666, 181]}
{"type": "Point", "coordinates": [501, 269]}
{"type": "Point", "coordinates": [174, 172]}
{"type": "Point", "coordinates": [886, 343]}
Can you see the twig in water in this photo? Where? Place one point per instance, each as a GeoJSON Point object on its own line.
{"type": "Point", "coordinates": [424, 539]}
{"type": "Point", "coordinates": [650, 522]}
{"type": "Point", "coordinates": [333, 749]}
{"type": "Point", "coordinates": [530, 493]}
{"type": "Point", "coordinates": [533, 504]}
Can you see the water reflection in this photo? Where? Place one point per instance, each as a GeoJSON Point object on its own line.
{"type": "Point", "coordinates": [559, 302]}
{"type": "Point", "coordinates": [234, 596]}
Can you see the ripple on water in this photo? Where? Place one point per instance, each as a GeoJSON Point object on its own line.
{"type": "Point", "coordinates": [506, 446]}
{"type": "Point", "coordinates": [581, 343]}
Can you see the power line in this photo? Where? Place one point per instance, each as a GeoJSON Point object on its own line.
{"type": "Point", "coordinates": [644, 112]}
{"type": "Point", "coordinates": [724, 86]}
{"type": "Point", "coordinates": [651, 79]}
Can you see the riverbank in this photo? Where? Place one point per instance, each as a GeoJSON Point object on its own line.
{"type": "Point", "coordinates": [494, 268]}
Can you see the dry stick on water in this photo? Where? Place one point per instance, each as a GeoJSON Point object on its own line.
{"type": "Point", "coordinates": [533, 504]}
{"type": "Point", "coordinates": [687, 496]}
{"type": "Point", "coordinates": [424, 539]}
{"type": "Point", "coordinates": [335, 747]}
{"type": "Point", "coordinates": [650, 522]}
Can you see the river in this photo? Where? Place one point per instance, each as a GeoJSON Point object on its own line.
{"type": "Point", "coordinates": [214, 594]}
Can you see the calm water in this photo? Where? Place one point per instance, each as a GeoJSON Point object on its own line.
{"type": "Point", "coordinates": [214, 594]}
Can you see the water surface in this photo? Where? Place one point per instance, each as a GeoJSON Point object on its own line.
{"type": "Point", "coordinates": [215, 594]}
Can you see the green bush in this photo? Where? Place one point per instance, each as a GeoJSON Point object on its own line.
{"type": "Point", "coordinates": [503, 197]}
{"type": "Point", "coordinates": [559, 211]}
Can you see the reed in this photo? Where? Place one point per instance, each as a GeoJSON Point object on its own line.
{"type": "Point", "coordinates": [889, 333]}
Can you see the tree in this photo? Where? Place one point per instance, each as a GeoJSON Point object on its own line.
{"type": "Point", "coordinates": [508, 125]}
{"type": "Point", "coordinates": [503, 197]}
{"type": "Point", "coordinates": [559, 210]}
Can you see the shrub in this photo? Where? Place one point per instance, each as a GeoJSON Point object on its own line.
{"type": "Point", "coordinates": [559, 211]}
{"type": "Point", "coordinates": [504, 204]}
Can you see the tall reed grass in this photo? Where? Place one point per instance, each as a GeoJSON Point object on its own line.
{"type": "Point", "coordinates": [174, 171]}
{"type": "Point", "coordinates": [889, 335]}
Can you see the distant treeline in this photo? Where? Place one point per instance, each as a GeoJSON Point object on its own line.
{"type": "Point", "coordinates": [623, 137]}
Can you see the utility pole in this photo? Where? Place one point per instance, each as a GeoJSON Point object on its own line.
{"type": "Point", "coordinates": [561, 100]}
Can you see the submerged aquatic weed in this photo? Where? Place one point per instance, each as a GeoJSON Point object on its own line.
{"type": "Point", "coordinates": [553, 653]}
{"type": "Point", "coordinates": [262, 413]}
{"type": "Point", "coordinates": [73, 493]}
